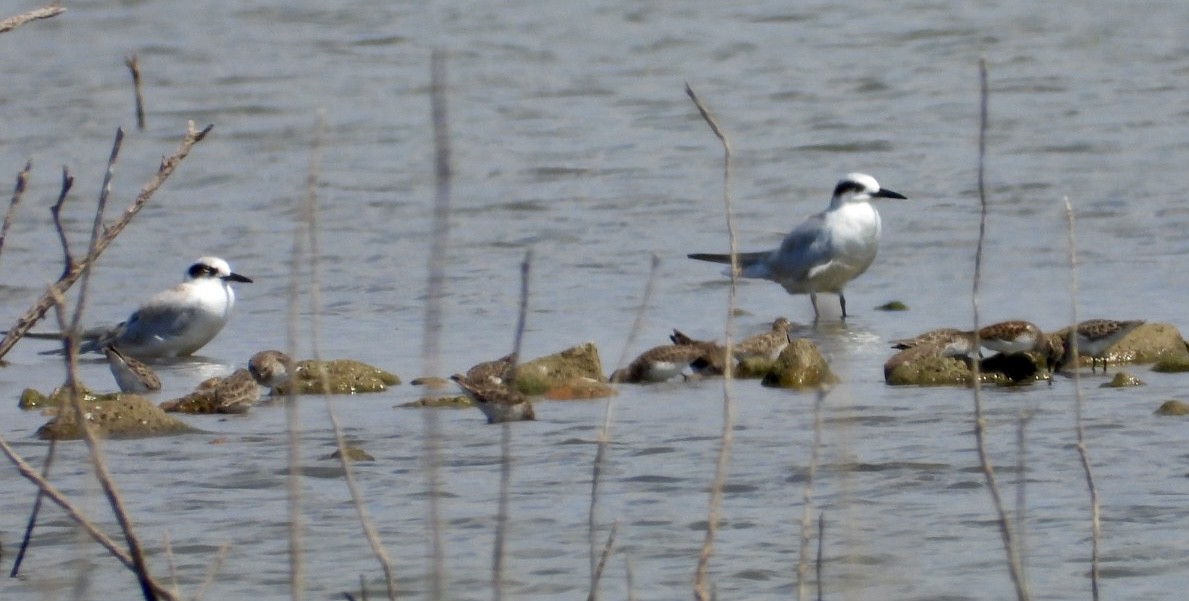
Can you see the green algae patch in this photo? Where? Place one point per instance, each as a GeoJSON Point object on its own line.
{"type": "Point", "coordinates": [342, 376]}
{"type": "Point", "coordinates": [116, 415]}
{"type": "Point", "coordinates": [1173, 408]}
{"type": "Point", "coordinates": [892, 306]}
{"type": "Point", "coordinates": [800, 367]}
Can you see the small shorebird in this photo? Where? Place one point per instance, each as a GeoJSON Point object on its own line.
{"type": "Point", "coordinates": [497, 401]}
{"type": "Point", "coordinates": [175, 322]}
{"type": "Point", "coordinates": [827, 250]}
{"type": "Point", "coordinates": [236, 393]}
{"type": "Point", "coordinates": [662, 363]}
{"type": "Point", "coordinates": [271, 368]}
{"type": "Point", "coordinates": [932, 337]}
{"type": "Point", "coordinates": [131, 375]}
{"type": "Point", "coordinates": [1006, 337]}
{"type": "Point", "coordinates": [768, 345]}
{"type": "Point", "coordinates": [1095, 337]}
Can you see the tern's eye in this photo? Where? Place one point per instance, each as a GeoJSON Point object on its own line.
{"type": "Point", "coordinates": [199, 270]}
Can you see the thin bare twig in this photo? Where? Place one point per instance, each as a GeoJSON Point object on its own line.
{"type": "Point", "coordinates": [134, 67]}
{"type": "Point", "coordinates": [96, 229]}
{"type": "Point", "coordinates": [45, 474]}
{"type": "Point", "coordinates": [435, 293]}
{"type": "Point", "coordinates": [44, 12]}
{"type": "Point", "coordinates": [603, 557]}
{"type": "Point", "coordinates": [980, 434]}
{"type": "Point", "coordinates": [807, 495]}
{"type": "Point", "coordinates": [293, 428]}
{"type": "Point", "coordinates": [821, 546]}
{"type": "Point", "coordinates": [604, 441]}
{"type": "Point", "coordinates": [212, 570]}
{"type": "Point", "coordinates": [501, 522]}
{"type": "Point", "coordinates": [56, 212]}
{"type": "Point", "coordinates": [720, 471]}
{"type": "Point", "coordinates": [59, 288]}
{"type": "Point", "coordinates": [1083, 453]}
{"type": "Point", "coordinates": [17, 192]}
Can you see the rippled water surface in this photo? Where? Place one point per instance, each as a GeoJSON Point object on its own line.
{"type": "Point", "coordinates": [572, 136]}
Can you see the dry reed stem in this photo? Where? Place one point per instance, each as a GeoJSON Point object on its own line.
{"type": "Point", "coordinates": [134, 67]}
{"type": "Point", "coordinates": [75, 271]}
{"type": "Point", "coordinates": [603, 557]}
{"type": "Point", "coordinates": [720, 470]}
{"type": "Point", "coordinates": [501, 527]}
{"type": "Point", "coordinates": [435, 293]}
{"type": "Point", "coordinates": [980, 434]}
{"type": "Point", "coordinates": [807, 496]}
{"type": "Point", "coordinates": [44, 12]}
{"type": "Point", "coordinates": [17, 192]}
{"type": "Point", "coordinates": [604, 439]}
{"type": "Point", "coordinates": [1083, 454]}
{"type": "Point", "coordinates": [293, 431]}
{"type": "Point", "coordinates": [821, 546]}
{"type": "Point", "coordinates": [310, 212]}
{"type": "Point", "coordinates": [212, 570]}
{"type": "Point", "coordinates": [45, 474]}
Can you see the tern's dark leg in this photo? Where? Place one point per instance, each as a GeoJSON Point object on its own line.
{"type": "Point", "coordinates": [842, 301]}
{"type": "Point", "coordinates": [813, 301]}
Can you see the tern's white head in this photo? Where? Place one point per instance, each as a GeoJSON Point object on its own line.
{"type": "Point", "coordinates": [214, 268]}
{"type": "Point", "coordinates": [860, 187]}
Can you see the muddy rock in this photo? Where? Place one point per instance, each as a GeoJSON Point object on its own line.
{"type": "Point", "coordinates": [800, 366]}
{"type": "Point", "coordinates": [924, 365]}
{"type": "Point", "coordinates": [1122, 380]}
{"type": "Point", "coordinates": [345, 376]}
{"type": "Point", "coordinates": [460, 401]}
{"type": "Point", "coordinates": [754, 368]}
{"type": "Point", "coordinates": [116, 415]}
{"type": "Point", "coordinates": [353, 454]}
{"type": "Point", "coordinates": [1173, 408]}
{"type": "Point", "coordinates": [567, 369]}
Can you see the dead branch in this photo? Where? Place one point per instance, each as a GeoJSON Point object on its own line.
{"type": "Point", "coordinates": [59, 288]}
{"type": "Point", "coordinates": [17, 192]}
{"type": "Point", "coordinates": [134, 67]}
{"type": "Point", "coordinates": [44, 12]}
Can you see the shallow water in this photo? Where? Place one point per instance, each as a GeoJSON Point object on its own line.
{"type": "Point", "coordinates": [572, 136]}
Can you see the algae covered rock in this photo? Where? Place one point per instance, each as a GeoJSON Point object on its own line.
{"type": "Point", "coordinates": [1173, 408]}
{"type": "Point", "coordinates": [1173, 364]}
{"type": "Point", "coordinates": [353, 454]}
{"type": "Point", "coordinates": [800, 366]}
{"type": "Point", "coordinates": [754, 367]}
{"type": "Point", "coordinates": [116, 415]}
{"type": "Point", "coordinates": [560, 370]}
{"type": "Point", "coordinates": [343, 376]}
{"type": "Point", "coordinates": [452, 402]}
{"type": "Point", "coordinates": [1122, 380]}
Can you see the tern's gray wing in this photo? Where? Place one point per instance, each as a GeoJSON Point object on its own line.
{"type": "Point", "coordinates": [155, 322]}
{"type": "Point", "coordinates": [804, 249]}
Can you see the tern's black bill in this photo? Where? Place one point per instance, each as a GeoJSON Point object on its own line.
{"type": "Point", "coordinates": [235, 277]}
{"type": "Point", "coordinates": [889, 194]}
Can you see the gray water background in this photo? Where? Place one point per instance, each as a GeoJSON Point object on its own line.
{"type": "Point", "coordinates": [572, 136]}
